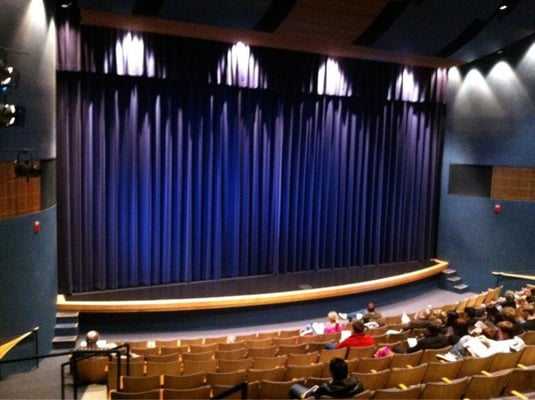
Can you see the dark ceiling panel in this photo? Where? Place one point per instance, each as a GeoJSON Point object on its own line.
{"type": "Point", "coordinates": [274, 15]}
{"type": "Point", "coordinates": [382, 23]}
{"type": "Point", "coordinates": [149, 8]}
{"type": "Point", "coordinates": [238, 14]}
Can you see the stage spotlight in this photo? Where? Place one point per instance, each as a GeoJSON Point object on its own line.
{"type": "Point", "coordinates": [11, 115]}
{"type": "Point", "coordinates": [9, 78]}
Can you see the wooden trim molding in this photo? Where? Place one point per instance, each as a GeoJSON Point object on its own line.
{"type": "Point", "coordinates": [259, 299]}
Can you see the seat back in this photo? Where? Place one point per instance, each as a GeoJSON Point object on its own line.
{"type": "Point", "coordinates": [140, 383]}
{"type": "Point", "coordinates": [361, 351]}
{"type": "Point", "coordinates": [148, 395]}
{"type": "Point", "coordinates": [412, 392]}
{"type": "Point", "coordinates": [368, 364]}
{"type": "Point", "coordinates": [162, 368]}
{"type": "Point", "coordinates": [522, 380]}
{"type": "Point", "coordinates": [403, 360]}
{"type": "Point", "coordinates": [303, 371]}
{"type": "Point", "coordinates": [302, 359]}
{"type": "Point", "coordinates": [445, 390]}
{"type": "Point", "coordinates": [436, 370]}
{"type": "Point", "coordinates": [406, 376]}
{"type": "Point", "coordinates": [373, 380]}
{"type": "Point", "coordinates": [186, 381]}
{"type": "Point", "coordinates": [233, 365]}
{"type": "Point", "coordinates": [474, 366]}
{"type": "Point", "coordinates": [201, 392]}
{"type": "Point", "coordinates": [270, 374]}
{"type": "Point", "coordinates": [487, 387]}
{"type": "Point", "coordinates": [276, 389]}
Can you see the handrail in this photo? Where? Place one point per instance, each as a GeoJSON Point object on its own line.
{"type": "Point", "coordinates": [243, 386]}
{"type": "Point", "coordinates": [7, 346]}
{"type": "Point", "coordinates": [511, 275]}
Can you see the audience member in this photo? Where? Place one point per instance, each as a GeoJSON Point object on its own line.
{"type": "Point", "coordinates": [341, 384]}
{"type": "Point", "coordinates": [333, 324]}
{"type": "Point", "coordinates": [510, 314]}
{"type": "Point", "coordinates": [528, 316]}
{"type": "Point", "coordinates": [357, 339]}
{"type": "Point", "coordinates": [482, 346]}
{"type": "Point", "coordinates": [434, 338]}
{"type": "Point", "coordinates": [372, 314]}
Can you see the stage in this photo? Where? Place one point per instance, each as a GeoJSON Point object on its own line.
{"type": "Point", "coordinates": [272, 290]}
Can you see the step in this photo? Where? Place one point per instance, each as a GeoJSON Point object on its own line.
{"type": "Point", "coordinates": [67, 317]}
{"type": "Point", "coordinates": [66, 329]}
{"type": "Point", "coordinates": [449, 271]}
{"type": "Point", "coordinates": [454, 279]}
{"type": "Point", "coordinates": [64, 342]}
{"type": "Point", "coordinates": [462, 288]}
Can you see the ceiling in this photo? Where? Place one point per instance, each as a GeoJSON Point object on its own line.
{"type": "Point", "coordinates": [420, 32]}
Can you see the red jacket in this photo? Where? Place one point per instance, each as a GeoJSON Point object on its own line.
{"type": "Point", "coordinates": [357, 340]}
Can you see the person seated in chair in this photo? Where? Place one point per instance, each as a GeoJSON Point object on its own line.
{"type": "Point", "coordinates": [341, 385]}
{"type": "Point", "coordinates": [357, 338]}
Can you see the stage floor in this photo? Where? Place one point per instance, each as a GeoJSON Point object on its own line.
{"type": "Point", "coordinates": [255, 284]}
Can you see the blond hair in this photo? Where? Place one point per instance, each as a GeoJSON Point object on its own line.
{"type": "Point", "coordinates": [333, 316]}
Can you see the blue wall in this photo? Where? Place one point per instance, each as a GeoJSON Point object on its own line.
{"type": "Point", "coordinates": [491, 119]}
{"type": "Point", "coordinates": [28, 261]}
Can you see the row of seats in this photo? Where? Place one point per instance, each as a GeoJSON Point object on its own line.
{"type": "Point", "coordinates": [481, 386]}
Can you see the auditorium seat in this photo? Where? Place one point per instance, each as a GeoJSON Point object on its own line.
{"type": "Point", "coordinates": [185, 381]}
{"type": "Point", "coordinates": [270, 374]}
{"type": "Point", "coordinates": [163, 357]}
{"type": "Point", "coordinates": [238, 344]}
{"type": "Point", "coordinates": [136, 368]}
{"type": "Point", "coordinates": [437, 370]}
{"type": "Point", "coordinates": [286, 340]}
{"type": "Point", "coordinates": [529, 337]}
{"type": "Point", "coordinates": [174, 349]}
{"type": "Point", "coordinates": [148, 395]}
{"type": "Point", "coordinates": [162, 368]}
{"type": "Point", "coordinates": [201, 392]}
{"type": "Point", "coordinates": [430, 355]}
{"type": "Point", "coordinates": [235, 354]}
{"type": "Point", "coordinates": [528, 355]}
{"type": "Point", "coordinates": [521, 380]}
{"type": "Point", "coordinates": [361, 351]}
{"type": "Point", "coordinates": [233, 365]}
{"type": "Point", "coordinates": [326, 355]}
{"type": "Point", "coordinates": [289, 332]}
{"type": "Point", "coordinates": [270, 362]}
{"type": "Point", "coordinates": [317, 345]}
{"type": "Point", "coordinates": [292, 348]}
{"type": "Point", "coordinates": [140, 383]}
{"type": "Point", "coordinates": [226, 378]}
{"type": "Point", "coordinates": [276, 389]}
{"type": "Point", "coordinates": [502, 361]}
{"type": "Point", "coordinates": [367, 364]}
{"type": "Point", "coordinates": [203, 347]}
{"type": "Point", "coordinates": [302, 359]}
{"type": "Point", "coordinates": [439, 390]}
{"type": "Point", "coordinates": [216, 339]}
{"type": "Point", "coordinates": [303, 371]}
{"type": "Point", "coordinates": [402, 360]}
{"type": "Point", "coordinates": [406, 376]}
{"type": "Point", "coordinates": [474, 366]}
{"type": "Point", "coordinates": [92, 370]}
{"type": "Point", "coordinates": [373, 380]}
{"type": "Point", "coordinates": [487, 386]}
{"type": "Point", "coordinates": [265, 351]}
{"type": "Point", "coordinates": [166, 342]}
{"type": "Point", "coordinates": [256, 343]}
{"type": "Point", "coordinates": [190, 341]}
{"type": "Point", "coordinates": [190, 367]}
{"type": "Point", "coordinates": [411, 392]}
{"type": "Point", "coordinates": [200, 356]}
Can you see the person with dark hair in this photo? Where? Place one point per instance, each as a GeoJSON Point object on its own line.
{"type": "Point", "coordinates": [341, 384]}
{"type": "Point", "coordinates": [528, 315]}
{"type": "Point", "coordinates": [434, 338]}
{"type": "Point", "coordinates": [358, 337]}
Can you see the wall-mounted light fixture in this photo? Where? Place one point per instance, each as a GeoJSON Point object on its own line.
{"type": "Point", "coordinates": [9, 78]}
{"type": "Point", "coordinates": [11, 115]}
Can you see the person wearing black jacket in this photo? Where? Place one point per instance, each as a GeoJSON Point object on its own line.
{"type": "Point", "coordinates": [341, 385]}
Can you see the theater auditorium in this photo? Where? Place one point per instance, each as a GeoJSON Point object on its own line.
{"type": "Point", "coordinates": [204, 169]}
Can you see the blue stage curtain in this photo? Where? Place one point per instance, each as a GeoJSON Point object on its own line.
{"type": "Point", "coordinates": [165, 177]}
